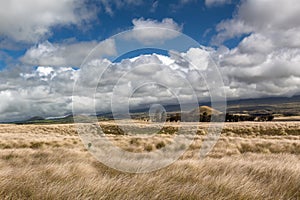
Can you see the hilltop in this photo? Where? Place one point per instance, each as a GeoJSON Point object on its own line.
{"type": "Point", "coordinates": [206, 109]}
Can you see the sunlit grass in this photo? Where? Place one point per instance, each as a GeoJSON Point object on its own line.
{"type": "Point", "coordinates": [250, 161]}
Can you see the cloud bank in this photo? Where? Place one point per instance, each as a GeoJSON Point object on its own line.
{"type": "Point", "coordinates": [48, 90]}
{"type": "Point", "coordinates": [266, 61]}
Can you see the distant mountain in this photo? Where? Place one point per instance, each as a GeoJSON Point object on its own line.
{"type": "Point", "coordinates": [287, 106]}
{"type": "Point", "coordinates": [36, 118]}
{"type": "Point", "coordinates": [266, 100]}
{"type": "Point", "coordinates": [41, 120]}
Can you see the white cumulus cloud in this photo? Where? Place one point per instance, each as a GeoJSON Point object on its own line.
{"type": "Point", "coordinates": [73, 54]}
{"type": "Point", "coordinates": [210, 3]}
{"type": "Point", "coordinates": [266, 61]}
{"type": "Point", "coordinates": [32, 20]}
{"type": "Point", "coordinates": [165, 30]}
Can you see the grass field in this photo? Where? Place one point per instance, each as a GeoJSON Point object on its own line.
{"type": "Point", "coordinates": [256, 160]}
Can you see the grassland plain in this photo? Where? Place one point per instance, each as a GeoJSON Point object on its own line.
{"type": "Point", "coordinates": [256, 160]}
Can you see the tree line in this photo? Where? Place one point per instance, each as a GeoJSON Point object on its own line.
{"type": "Point", "coordinates": [188, 117]}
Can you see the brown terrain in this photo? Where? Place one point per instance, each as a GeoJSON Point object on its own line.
{"type": "Point", "coordinates": [251, 160]}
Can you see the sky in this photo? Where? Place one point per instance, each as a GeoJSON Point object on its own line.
{"type": "Point", "coordinates": [55, 54]}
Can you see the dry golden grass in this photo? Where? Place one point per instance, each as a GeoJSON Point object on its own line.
{"type": "Point", "coordinates": [250, 161]}
{"type": "Point", "coordinates": [287, 118]}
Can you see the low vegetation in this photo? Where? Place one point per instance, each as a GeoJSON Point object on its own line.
{"type": "Point", "coordinates": [257, 160]}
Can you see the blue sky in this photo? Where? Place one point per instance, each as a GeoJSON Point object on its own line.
{"type": "Point", "coordinates": [45, 47]}
{"type": "Point", "coordinates": [194, 16]}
